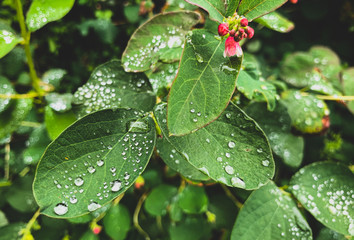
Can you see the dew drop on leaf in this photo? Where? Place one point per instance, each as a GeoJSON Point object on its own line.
{"type": "Point", "coordinates": [60, 209]}
{"type": "Point", "coordinates": [93, 206]}
{"type": "Point", "coordinates": [116, 185]}
{"type": "Point", "coordinates": [100, 163]}
{"type": "Point", "coordinates": [138, 126]}
{"type": "Point", "coordinates": [73, 200]}
{"type": "Point", "coordinates": [78, 181]}
{"type": "Point", "coordinates": [229, 170]}
{"type": "Point", "coordinates": [91, 169]}
{"type": "Point", "coordinates": [231, 144]}
{"type": "Point", "coordinates": [238, 182]}
{"type": "Point", "coordinates": [265, 163]}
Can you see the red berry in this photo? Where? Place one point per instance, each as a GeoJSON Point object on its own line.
{"type": "Point", "coordinates": [97, 230]}
{"type": "Point", "coordinates": [223, 29]}
{"type": "Point", "coordinates": [250, 32]}
{"type": "Point", "coordinates": [232, 32]}
{"type": "Point", "coordinates": [293, 1]}
{"type": "Point", "coordinates": [244, 22]}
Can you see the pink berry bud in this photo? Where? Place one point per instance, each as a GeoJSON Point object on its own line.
{"type": "Point", "coordinates": [250, 32]}
{"type": "Point", "coordinates": [293, 1]}
{"type": "Point", "coordinates": [223, 29]}
{"type": "Point", "coordinates": [244, 22]}
{"type": "Point", "coordinates": [232, 32]}
{"type": "Point", "coordinates": [242, 31]}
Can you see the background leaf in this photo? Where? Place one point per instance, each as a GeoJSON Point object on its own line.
{"type": "Point", "coordinates": [159, 39]}
{"type": "Point", "coordinates": [232, 150]}
{"type": "Point", "coordinates": [117, 222]}
{"type": "Point", "coordinates": [348, 85]}
{"type": "Point", "coordinates": [204, 84]}
{"type": "Point", "coordinates": [269, 214]}
{"type": "Point", "coordinates": [159, 198]}
{"type": "Point", "coordinates": [193, 200]}
{"type": "Point", "coordinates": [93, 161]}
{"type": "Point", "coordinates": [276, 22]}
{"type": "Point", "coordinates": [56, 122]}
{"type": "Point", "coordinates": [8, 40]}
{"type": "Point", "coordinates": [42, 12]}
{"type": "Point", "coordinates": [6, 88]}
{"type": "Point", "coordinates": [215, 8]}
{"type": "Point", "coordinates": [326, 190]}
{"type": "Point", "coordinates": [252, 9]}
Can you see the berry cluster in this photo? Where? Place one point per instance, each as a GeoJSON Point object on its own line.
{"type": "Point", "coordinates": [235, 28]}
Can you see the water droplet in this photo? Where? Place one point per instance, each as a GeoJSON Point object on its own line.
{"type": "Point", "coordinates": [219, 159]}
{"type": "Point", "coordinates": [138, 126]}
{"type": "Point", "coordinates": [61, 209]}
{"type": "Point", "coordinates": [265, 163]}
{"type": "Point", "coordinates": [112, 169]}
{"type": "Point", "coordinates": [199, 58]}
{"type": "Point", "coordinates": [126, 176]}
{"type": "Point", "coordinates": [78, 181]}
{"type": "Point", "coordinates": [228, 115]}
{"type": "Point", "coordinates": [259, 150]}
{"type": "Point", "coordinates": [116, 185]}
{"type": "Point", "coordinates": [231, 144]}
{"type": "Point", "coordinates": [73, 200]}
{"type": "Point", "coordinates": [229, 170]}
{"type": "Point", "coordinates": [93, 206]}
{"type": "Point", "coordinates": [195, 120]}
{"type": "Point", "coordinates": [238, 182]}
{"type": "Point", "coordinates": [227, 155]}
{"type": "Point", "coordinates": [91, 169]}
{"type": "Point", "coordinates": [192, 110]}
{"type": "Point", "coordinates": [100, 163]}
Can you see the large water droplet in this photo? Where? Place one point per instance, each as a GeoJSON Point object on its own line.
{"type": "Point", "coordinates": [229, 170]}
{"type": "Point", "coordinates": [91, 169]}
{"type": "Point", "coordinates": [60, 209]}
{"type": "Point", "coordinates": [100, 163]}
{"type": "Point", "coordinates": [138, 126]}
{"type": "Point", "coordinates": [93, 206]}
{"type": "Point", "coordinates": [116, 185]}
{"type": "Point", "coordinates": [265, 163]}
{"type": "Point", "coordinates": [231, 144]}
{"type": "Point", "coordinates": [73, 200]}
{"type": "Point", "coordinates": [238, 182]}
{"type": "Point", "coordinates": [78, 181]}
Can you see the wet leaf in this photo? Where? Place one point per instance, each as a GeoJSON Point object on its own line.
{"type": "Point", "coordinates": [42, 12]}
{"type": "Point", "coordinates": [270, 214]}
{"type": "Point", "coordinates": [54, 76]}
{"type": "Point", "coordinates": [306, 112]}
{"type": "Point", "coordinates": [11, 231]}
{"type": "Point", "coordinates": [193, 200]}
{"type": "Point", "coordinates": [276, 22]}
{"type": "Point", "coordinates": [117, 222]}
{"type": "Point", "coordinates": [93, 161]}
{"type": "Point", "coordinates": [177, 161]}
{"type": "Point", "coordinates": [348, 85]}
{"type": "Point", "coordinates": [276, 126]}
{"type": "Point", "coordinates": [204, 84]}
{"type": "Point", "coordinates": [159, 198]}
{"type": "Point", "coordinates": [59, 102]}
{"type": "Point", "coordinates": [56, 122]}
{"type": "Point", "coordinates": [6, 88]}
{"type": "Point", "coordinates": [326, 190]}
{"type": "Point", "coordinates": [159, 39]}
{"type": "Point", "coordinates": [3, 219]}
{"type": "Point", "coordinates": [252, 9]}
{"type": "Point", "coordinates": [215, 8]}
{"type": "Point", "coordinates": [8, 40]}
{"type": "Point", "coordinates": [232, 150]}
{"type": "Point", "coordinates": [232, 7]}
{"type": "Point", "coordinates": [109, 86]}
{"type": "Point", "coordinates": [328, 234]}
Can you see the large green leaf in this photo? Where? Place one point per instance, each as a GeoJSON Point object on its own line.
{"type": "Point", "coordinates": [117, 222]}
{"type": "Point", "coordinates": [93, 161]}
{"type": "Point", "coordinates": [159, 39]}
{"type": "Point", "coordinates": [204, 84]}
{"type": "Point", "coordinates": [177, 161]}
{"type": "Point", "coordinates": [215, 8]}
{"type": "Point", "coordinates": [6, 88]}
{"type": "Point", "coordinates": [252, 9]}
{"type": "Point", "coordinates": [232, 150]}
{"type": "Point", "coordinates": [11, 118]}
{"type": "Point", "coordinates": [348, 85]}
{"type": "Point", "coordinates": [42, 12]}
{"type": "Point", "coordinates": [276, 22]}
{"type": "Point", "coordinates": [326, 190]}
{"type": "Point", "coordinates": [269, 214]}
{"type": "Point", "coordinates": [8, 40]}
{"type": "Point", "coordinates": [109, 86]}
{"type": "Point", "coordinates": [159, 198]}
{"type": "Point", "coordinates": [277, 126]}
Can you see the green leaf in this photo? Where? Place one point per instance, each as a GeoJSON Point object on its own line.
{"type": "Point", "coordinates": [193, 200]}
{"type": "Point", "coordinates": [54, 76]}
{"type": "Point", "coordinates": [232, 7]}
{"type": "Point", "coordinates": [326, 190]}
{"type": "Point", "coordinates": [348, 86]}
{"type": "Point", "coordinates": [8, 40]}
{"type": "Point", "coordinates": [57, 122]}
{"type": "Point", "coordinates": [306, 112]}
{"type": "Point", "coordinates": [277, 126]}
{"type": "Point", "coordinates": [59, 102]}
{"type": "Point", "coordinates": [224, 209]}
{"type": "Point", "coordinates": [251, 88]}
{"type": "Point", "coordinates": [42, 12]}
{"type": "Point", "coordinates": [36, 145]}
{"type": "Point", "coordinates": [270, 214]}
{"type": "Point", "coordinates": [177, 162]}
{"type": "Point", "coordinates": [89, 235]}
{"type": "Point", "coordinates": [117, 222]}
{"type": "Point", "coordinates": [232, 150]}
{"type": "Point", "coordinates": [11, 231]}
{"type": "Point", "coordinates": [252, 9]}
{"type": "Point", "coordinates": [192, 228]}
{"type": "Point", "coordinates": [93, 161]}
{"type": "Point", "coordinates": [109, 86]}
{"type": "Point", "coordinates": [328, 234]}
{"type": "Point", "coordinates": [3, 219]}
{"type": "Point", "coordinates": [276, 22]}
{"type": "Point", "coordinates": [159, 198]}
{"type": "Point", "coordinates": [11, 118]}
{"type": "Point", "coordinates": [204, 84]}
{"type": "Point", "coordinates": [159, 39]}
{"type": "Point", "coordinates": [215, 8]}
{"type": "Point", "coordinates": [6, 88]}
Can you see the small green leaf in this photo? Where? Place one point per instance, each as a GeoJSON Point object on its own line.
{"type": "Point", "coordinates": [93, 161]}
{"type": "Point", "coordinates": [11, 118]}
{"type": "Point", "coordinates": [42, 12]}
{"type": "Point", "coordinates": [6, 88]}
{"type": "Point", "coordinates": [252, 9]}
{"type": "Point", "coordinates": [232, 150]}
{"type": "Point", "coordinates": [191, 228]}
{"type": "Point", "coordinates": [326, 190]}
{"type": "Point", "coordinates": [328, 234]}
{"type": "Point", "coordinates": [348, 85]}
{"type": "Point", "coordinates": [54, 76]}
{"type": "Point", "coordinates": [11, 231]}
{"type": "Point", "coordinates": [270, 214]}
{"type": "Point", "coordinates": [8, 40]}
{"type": "Point", "coordinates": [204, 84]}
{"type": "Point", "coordinates": [117, 222]}
{"type": "Point", "coordinates": [306, 112]}
{"type": "Point", "coordinates": [3, 219]}
{"type": "Point", "coordinates": [177, 162]}
{"type": "Point", "coordinates": [276, 22]}
{"type": "Point", "coordinates": [109, 86]}
{"type": "Point", "coordinates": [224, 209]}
{"type": "Point", "coordinates": [159, 39]}
{"type": "Point", "coordinates": [215, 8]}
{"type": "Point", "coordinates": [193, 200]}
{"type": "Point", "coordinates": [59, 102]}
{"type": "Point", "coordinates": [251, 88]}
{"type": "Point", "coordinates": [57, 122]}
{"type": "Point", "coordinates": [277, 126]}
{"type": "Point", "coordinates": [159, 198]}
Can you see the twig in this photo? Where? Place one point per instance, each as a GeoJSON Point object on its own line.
{"type": "Point", "coordinates": [231, 196]}
{"type": "Point", "coordinates": [7, 161]}
{"type": "Point", "coordinates": [136, 217]}
{"type": "Point", "coordinates": [27, 230]}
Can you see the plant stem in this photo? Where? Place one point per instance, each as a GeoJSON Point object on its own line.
{"type": "Point", "coordinates": [26, 35]}
{"type": "Point", "coordinates": [7, 161]}
{"type": "Point", "coordinates": [231, 196]}
{"type": "Point", "coordinates": [29, 225]}
{"type": "Point", "coordinates": [136, 217]}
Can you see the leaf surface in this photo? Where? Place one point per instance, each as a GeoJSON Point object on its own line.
{"type": "Point", "coordinates": [204, 84]}
{"type": "Point", "coordinates": [117, 222]}
{"type": "Point", "coordinates": [252, 9]}
{"type": "Point", "coordinates": [6, 88]}
{"type": "Point", "coordinates": [215, 8]}
{"type": "Point", "coordinates": [276, 22]}
{"type": "Point", "coordinates": [93, 161]}
{"type": "Point", "coordinates": [160, 197]}
{"type": "Point", "coordinates": [8, 40]}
